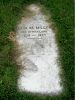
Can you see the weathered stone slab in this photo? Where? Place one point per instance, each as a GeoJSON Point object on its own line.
{"type": "Point", "coordinates": [39, 54]}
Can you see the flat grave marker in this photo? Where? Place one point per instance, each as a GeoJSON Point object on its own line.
{"type": "Point", "coordinates": [40, 71]}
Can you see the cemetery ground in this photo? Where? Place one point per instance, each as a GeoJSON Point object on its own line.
{"type": "Point", "coordinates": [62, 16]}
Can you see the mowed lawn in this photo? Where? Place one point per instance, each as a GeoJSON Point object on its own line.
{"type": "Point", "coordinates": [62, 12]}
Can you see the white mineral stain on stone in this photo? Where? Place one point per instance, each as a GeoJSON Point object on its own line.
{"type": "Point", "coordinates": [39, 55]}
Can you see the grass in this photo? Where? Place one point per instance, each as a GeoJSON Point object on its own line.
{"type": "Point", "coordinates": [63, 16]}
